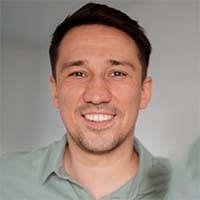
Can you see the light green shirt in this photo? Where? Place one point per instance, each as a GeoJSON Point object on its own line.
{"type": "Point", "coordinates": [40, 175]}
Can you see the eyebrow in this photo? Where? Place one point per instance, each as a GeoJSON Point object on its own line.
{"type": "Point", "coordinates": [72, 63]}
{"type": "Point", "coordinates": [119, 62]}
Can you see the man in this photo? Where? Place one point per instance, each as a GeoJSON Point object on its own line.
{"type": "Point", "coordinates": [99, 58]}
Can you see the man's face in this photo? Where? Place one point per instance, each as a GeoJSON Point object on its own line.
{"type": "Point", "coordinates": [99, 90]}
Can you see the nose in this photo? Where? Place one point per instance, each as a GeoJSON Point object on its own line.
{"type": "Point", "coordinates": [97, 91]}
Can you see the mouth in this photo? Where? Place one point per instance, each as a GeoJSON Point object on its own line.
{"type": "Point", "coordinates": [98, 121]}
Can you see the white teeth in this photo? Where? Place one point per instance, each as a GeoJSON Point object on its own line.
{"type": "Point", "coordinates": [98, 117]}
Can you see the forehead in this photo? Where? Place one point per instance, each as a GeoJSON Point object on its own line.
{"type": "Point", "coordinates": [97, 36]}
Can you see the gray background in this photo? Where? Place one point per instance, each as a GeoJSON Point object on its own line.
{"type": "Point", "coordinates": [28, 119]}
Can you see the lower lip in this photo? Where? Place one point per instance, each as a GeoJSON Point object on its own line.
{"type": "Point", "coordinates": [100, 125]}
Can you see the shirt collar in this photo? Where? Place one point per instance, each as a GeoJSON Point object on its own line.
{"type": "Point", "coordinates": [53, 163]}
{"type": "Point", "coordinates": [145, 161]}
{"type": "Point", "coordinates": [53, 158]}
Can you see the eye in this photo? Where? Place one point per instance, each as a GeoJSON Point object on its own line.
{"type": "Point", "coordinates": [118, 73]}
{"type": "Point", "coordinates": [78, 74]}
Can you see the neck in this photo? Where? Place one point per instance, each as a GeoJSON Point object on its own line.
{"type": "Point", "coordinates": [111, 170]}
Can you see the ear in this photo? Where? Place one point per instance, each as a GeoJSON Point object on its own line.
{"type": "Point", "coordinates": [54, 93]}
{"type": "Point", "coordinates": [146, 92]}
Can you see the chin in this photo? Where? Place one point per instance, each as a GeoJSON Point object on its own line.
{"type": "Point", "coordinates": [99, 145]}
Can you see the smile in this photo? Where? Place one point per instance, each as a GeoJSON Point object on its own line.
{"type": "Point", "coordinates": [99, 117]}
{"type": "Point", "coordinates": [98, 121]}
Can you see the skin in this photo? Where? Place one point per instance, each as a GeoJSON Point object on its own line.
{"type": "Point", "coordinates": [98, 72]}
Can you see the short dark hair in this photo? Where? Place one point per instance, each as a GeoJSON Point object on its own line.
{"type": "Point", "coordinates": [93, 13]}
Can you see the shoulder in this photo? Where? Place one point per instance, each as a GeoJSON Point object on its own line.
{"type": "Point", "coordinates": [157, 179]}
{"type": "Point", "coordinates": [17, 163]}
{"type": "Point", "coordinates": [23, 172]}
{"type": "Point", "coordinates": [20, 172]}
{"type": "Point", "coordinates": [152, 164]}
{"type": "Point", "coordinates": [29, 159]}
{"type": "Point", "coordinates": [155, 176]}
{"type": "Point", "coordinates": [19, 167]}
{"type": "Point", "coordinates": [22, 157]}
{"type": "Point", "coordinates": [161, 172]}
{"type": "Point", "coordinates": [162, 165]}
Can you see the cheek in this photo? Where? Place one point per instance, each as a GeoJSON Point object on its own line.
{"type": "Point", "coordinates": [69, 99]}
{"type": "Point", "coordinates": [128, 100]}
{"type": "Point", "coordinates": [69, 96]}
{"type": "Point", "coordinates": [127, 96]}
